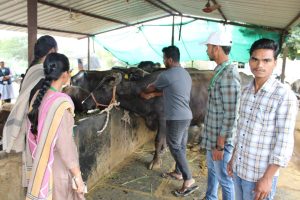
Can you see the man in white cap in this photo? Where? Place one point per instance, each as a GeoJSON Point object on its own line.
{"type": "Point", "coordinates": [221, 117]}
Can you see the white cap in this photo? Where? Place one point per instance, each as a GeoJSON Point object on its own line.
{"type": "Point", "coordinates": [219, 39]}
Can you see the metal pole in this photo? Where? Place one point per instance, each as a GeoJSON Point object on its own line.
{"type": "Point", "coordinates": [172, 42]}
{"type": "Point", "coordinates": [31, 28]}
{"type": "Point", "coordinates": [88, 56]}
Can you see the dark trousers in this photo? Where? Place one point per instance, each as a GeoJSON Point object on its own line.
{"type": "Point", "coordinates": [177, 135]}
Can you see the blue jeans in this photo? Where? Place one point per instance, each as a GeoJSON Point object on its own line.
{"type": "Point", "coordinates": [217, 173]}
{"type": "Point", "coordinates": [244, 189]}
{"type": "Point", "coordinates": [177, 135]}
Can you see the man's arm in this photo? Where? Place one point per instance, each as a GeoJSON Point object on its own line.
{"type": "Point", "coordinates": [230, 92]}
{"type": "Point", "coordinates": [150, 92]}
{"type": "Point", "coordinates": [264, 184]}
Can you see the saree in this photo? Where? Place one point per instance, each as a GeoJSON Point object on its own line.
{"type": "Point", "coordinates": [41, 147]}
{"type": "Point", "coordinates": [14, 130]}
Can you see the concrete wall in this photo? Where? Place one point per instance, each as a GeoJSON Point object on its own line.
{"type": "Point", "coordinates": [99, 153]}
{"type": "Point", "coordinates": [10, 176]}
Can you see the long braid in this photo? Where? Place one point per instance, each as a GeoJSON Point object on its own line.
{"type": "Point", "coordinates": [33, 115]}
{"type": "Point", "coordinates": [54, 65]}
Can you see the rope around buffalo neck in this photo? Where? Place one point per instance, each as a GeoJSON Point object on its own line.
{"type": "Point", "coordinates": [112, 104]}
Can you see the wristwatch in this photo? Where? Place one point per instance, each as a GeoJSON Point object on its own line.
{"type": "Point", "coordinates": [220, 148]}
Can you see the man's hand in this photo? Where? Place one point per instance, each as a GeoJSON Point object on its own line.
{"type": "Point", "coordinates": [146, 95]}
{"type": "Point", "coordinates": [217, 155]}
{"type": "Point", "coordinates": [229, 167]}
{"type": "Point", "coordinates": [263, 188]}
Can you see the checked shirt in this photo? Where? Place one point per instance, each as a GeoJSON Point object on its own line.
{"type": "Point", "coordinates": [265, 132]}
{"type": "Point", "coordinates": [222, 107]}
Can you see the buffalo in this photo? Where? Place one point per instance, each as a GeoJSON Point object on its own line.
{"type": "Point", "coordinates": [128, 94]}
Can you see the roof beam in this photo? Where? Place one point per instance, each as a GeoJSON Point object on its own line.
{"type": "Point", "coordinates": [235, 23]}
{"type": "Point", "coordinates": [158, 6]}
{"type": "Point", "coordinates": [81, 12]}
{"type": "Point", "coordinates": [149, 20]}
{"type": "Point", "coordinates": [167, 5]}
{"type": "Point", "coordinates": [43, 28]}
{"type": "Point", "coordinates": [292, 22]}
{"type": "Point", "coordinates": [220, 11]}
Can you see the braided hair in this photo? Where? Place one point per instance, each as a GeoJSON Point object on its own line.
{"type": "Point", "coordinates": [55, 64]}
{"type": "Point", "coordinates": [42, 47]}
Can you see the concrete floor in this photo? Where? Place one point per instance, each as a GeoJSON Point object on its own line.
{"type": "Point", "coordinates": [133, 181]}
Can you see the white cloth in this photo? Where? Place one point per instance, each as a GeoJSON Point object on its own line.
{"type": "Point", "coordinates": [15, 128]}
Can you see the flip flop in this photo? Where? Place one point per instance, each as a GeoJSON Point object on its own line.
{"type": "Point", "coordinates": [187, 191]}
{"type": "Point", "coordinates": [171, 175]}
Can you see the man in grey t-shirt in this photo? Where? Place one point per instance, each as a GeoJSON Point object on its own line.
{"type": "Point", "coordinates": [175, 83]}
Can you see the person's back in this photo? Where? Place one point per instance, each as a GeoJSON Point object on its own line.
{"type": "Point", "coordinates": [50, 141]}
{"type": "Point", "coordinates": [221, 116]}
{"type": "Point", "coordinates": [177, 94]}
{"type": "Point", "coordinates": [15, 127]}
{"type": "Point", "coordinates": [175, 83]}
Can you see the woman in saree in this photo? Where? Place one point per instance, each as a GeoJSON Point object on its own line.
{"type": "Point", "coordinates": [49, 138]}
{"type": "Point", "coordinates": [15, 127]}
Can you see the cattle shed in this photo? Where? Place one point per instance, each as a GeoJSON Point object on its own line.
{"type": "Point", "coordinates": [88, 18]}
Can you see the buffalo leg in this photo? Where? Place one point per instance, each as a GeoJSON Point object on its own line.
{"type": "Point", "coordinates": [160, 146]}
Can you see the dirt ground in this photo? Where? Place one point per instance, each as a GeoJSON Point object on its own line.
{"type": "Point", "coordinates": [133, 181]}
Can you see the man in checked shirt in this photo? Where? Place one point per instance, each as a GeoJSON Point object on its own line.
{"type": "Point", "coordinates": [221, 117]}
{"type": "Point", "coordinates": [265, 133]}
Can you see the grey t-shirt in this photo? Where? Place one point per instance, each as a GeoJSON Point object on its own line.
{"type": "Point", "coordinates": [176, 85]}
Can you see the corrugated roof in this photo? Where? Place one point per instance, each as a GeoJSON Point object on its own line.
{"type": "Point", "coordinates": [80, 18]}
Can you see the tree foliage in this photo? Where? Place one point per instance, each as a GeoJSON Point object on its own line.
{"type": "Point", "coordinates": [293, 43]}
{"type": "Point", "coordinates": [13, 51]}
{"type": "Point", "coordinates": [15, 47]}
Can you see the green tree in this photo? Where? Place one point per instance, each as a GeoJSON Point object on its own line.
{"type": "Point", "coordinates": [15, 47]}
{"type": "Point", "coordinates": [14, 52]}
{"type": "Point", "coordinates": [293, 43]}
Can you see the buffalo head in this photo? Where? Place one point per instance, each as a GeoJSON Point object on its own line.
{"type": "Point", "coordinates": [103, 92]}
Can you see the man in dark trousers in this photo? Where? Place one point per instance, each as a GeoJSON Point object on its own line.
{"type": "Point", "coordinates": [175, 83]}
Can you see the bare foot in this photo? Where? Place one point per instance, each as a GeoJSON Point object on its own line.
{"type": "Point", "coordinates": [172, 175]}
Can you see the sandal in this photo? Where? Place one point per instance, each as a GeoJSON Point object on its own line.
{"type": "Point", "coordinates": [187, 191]}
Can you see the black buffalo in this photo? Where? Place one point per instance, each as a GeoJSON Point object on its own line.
{"type": "Point", "coordinates": [77, 95]}
{"type": "Point", "coordinates": [149, 66]}
{"type": "Point", "coordinates": [152, 110]}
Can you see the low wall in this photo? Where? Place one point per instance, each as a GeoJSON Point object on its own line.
{"type": "Point", "coordinates": [98, 153]}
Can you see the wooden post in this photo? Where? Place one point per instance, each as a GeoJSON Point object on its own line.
{"type": "Point", "coordinates": [31, 27]}
{"type": "Point", "coordinates": [285, 51]}
{"type": "Point", "coordinates": [284, 55]}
